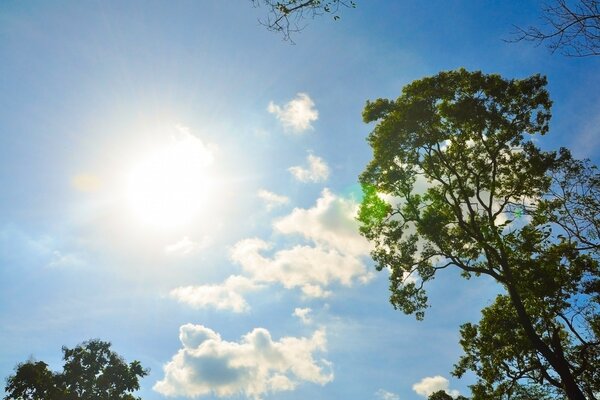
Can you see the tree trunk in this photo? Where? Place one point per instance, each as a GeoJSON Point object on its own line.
{"type": "Point", "coordinates": [557, 361]}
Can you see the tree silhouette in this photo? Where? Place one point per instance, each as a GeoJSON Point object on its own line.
{"type": "Point", "coordinates": [287, 16]}
{"type": "Point", "coordinates": [570, 27]}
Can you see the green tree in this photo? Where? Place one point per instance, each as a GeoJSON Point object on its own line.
{"type": "Point", "coordinates": [464, 137]}
{"type": "Point", "coordinates": [442, 395]}
{"type": "Point", "coordinates": [91, 372]}
{"type": "Point", "coordinates": [32, 381]}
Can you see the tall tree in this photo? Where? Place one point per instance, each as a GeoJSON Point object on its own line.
{"type": "Point", "coordinates": [91, 372]}
{"type": "Point", "coordinates": [465, 136]}
{"type": "Point", "coordinates": [570, 27]}
{"type": "Point", "coordinates": [288, 16]}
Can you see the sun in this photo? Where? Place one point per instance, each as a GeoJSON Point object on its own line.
{"type": "Point", "coordinates": [168, 187]}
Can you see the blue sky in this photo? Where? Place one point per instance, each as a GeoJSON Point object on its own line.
{"type": "Point", "coordinates": [106, 106]}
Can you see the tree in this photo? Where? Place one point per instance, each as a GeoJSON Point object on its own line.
{"type": "Point", "coordinates": [32, 381]}
{"type": "Point", "coordinates": [465, 137]}
{"type": "Point", "coordinates": [286, 16]}
{"type": "Point", "coordinates": [91, 372]}
{"type": "Point", "coordinates": [572, 27]}
{"type": "Point", "coordinates": [442, 395]}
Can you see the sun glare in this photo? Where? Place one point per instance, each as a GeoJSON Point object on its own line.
{"type": "Point", "coordinates": [168, 188]}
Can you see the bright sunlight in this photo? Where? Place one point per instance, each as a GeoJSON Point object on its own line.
{"type": "Point", "coordinates": [168, 187]}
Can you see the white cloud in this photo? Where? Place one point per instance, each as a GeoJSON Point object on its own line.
{"type": "Point", "coordinates": [385, 395]}
{"type": "Point", "coordinates": [271, 199]}
{"type": "Point", "coordinates": [254, 366]}
{"type": "Point", "coordinates": [317, 170]}
{"type": "Point", "coordinates": [429, 385]}
{"type": "Point", "coordinates": [335, 255]}
{"type": "Point", "coordinates": [311, 269]}
{"type": "Point", "coordinates": [297, 114]}
{"type": "Point", "coordinates": [331, 223]}
{"type": "Point", "coordinates": [226, 296]}
{"type": "Point", "coordinates": [302, 314]}
{"type": "Point", "coordinates": [186, 246]}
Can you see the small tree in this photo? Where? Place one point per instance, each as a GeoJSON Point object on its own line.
{"type": "Point", "coordinates": [91, 372]}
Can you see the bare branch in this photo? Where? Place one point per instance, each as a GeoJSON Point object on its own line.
{"type": "Point", "coordinates": [571, 27]}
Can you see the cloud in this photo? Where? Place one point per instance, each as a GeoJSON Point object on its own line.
{"type": "Point", "coordinates": [302, 313]}
{"type": "Point", "coordinates": [256, 365]}
{"type": "Point", "coordinates": [271, 199]}
{"type": "Point", "coordinates": [226, 296]}
{"type": "Point", "coordinates": [297, 114]}
{"type": "Point", "coordinates": [309, 268]}
{"type": "Point", "coordinates": [429, 385]}
{"type": "Point", "coordinates": [330, 223]}
{"type": "Point", "coordinates": [317, 170]}
{"type": "Point", "coordinates": [45, 251]}
{"type": "Point", "coordinates": [186, 246]}
{"type": "Point", "coordinates": [65, 260]}
{"type": "Point", "coordinates": [334, 255]}
{"type": "Point", "coordinates": [385, 395]}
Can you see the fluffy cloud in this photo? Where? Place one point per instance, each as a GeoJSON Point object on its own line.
{"type": "Point", "coordinates": [429, 385]}
{"type": "Point", "coordinates": [330, 223]}
{"type": "Point", "coordinates": [226, 296]}
{"type": "Point", "coordinates": [302, 314]}
{"type": "Point", "coordinates": [316, 171]}
{"type": "Point", "coordinates": [385, 395]}
{"type": "Point", "coordinates": [256, 365]}
{"type": "Point", "coordinates": [335, 253]}
{"type": "Point", "coordinates": [271, 199]}
{"type": "Point", "coordinates": [309, 268]}
{"type": "Point", "coordinates": [297, 114]}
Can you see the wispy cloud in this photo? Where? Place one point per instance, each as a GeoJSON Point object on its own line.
{"type": "Point", "coordinates": [225, 296]}
{"type": "Point", "coordinates": [429, 385]}
{"type": "Point", "coordinates": [65, 260]}
{"type": "Point", "coordinates": [297, 114]}
{"type": "Point", "coordinates": [254, 366]}
{"type": "Point", "coordinates": [385, 395]}
{"type": "Point", "coordinates": [186, 246]}
{"type": "Point", "coordinates": [316, 170]}
{"type": "Point", "coordinates": [271, 199]}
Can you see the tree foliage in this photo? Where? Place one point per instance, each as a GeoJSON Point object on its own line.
{"type": "Point", "coordinates": [453, 169]}
{"type": "Point", "coordinates": [442, 395]}
{"type": "Point", "coordinates": [571, 27]}
{"type": "Point", "coordinates": [91, 372]}
{"type": "Point", "coordinates": [288, 16]}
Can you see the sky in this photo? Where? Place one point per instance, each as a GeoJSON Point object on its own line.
{"type": "Point", "coordinates": [252, 281]}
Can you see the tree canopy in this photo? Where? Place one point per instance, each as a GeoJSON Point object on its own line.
{"type": "Point", "coordinates": [457, 182]}
{"type": "Point", "coordinates": [91, 372]}
{"type": "Point", "coordinates": [442, 395]}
